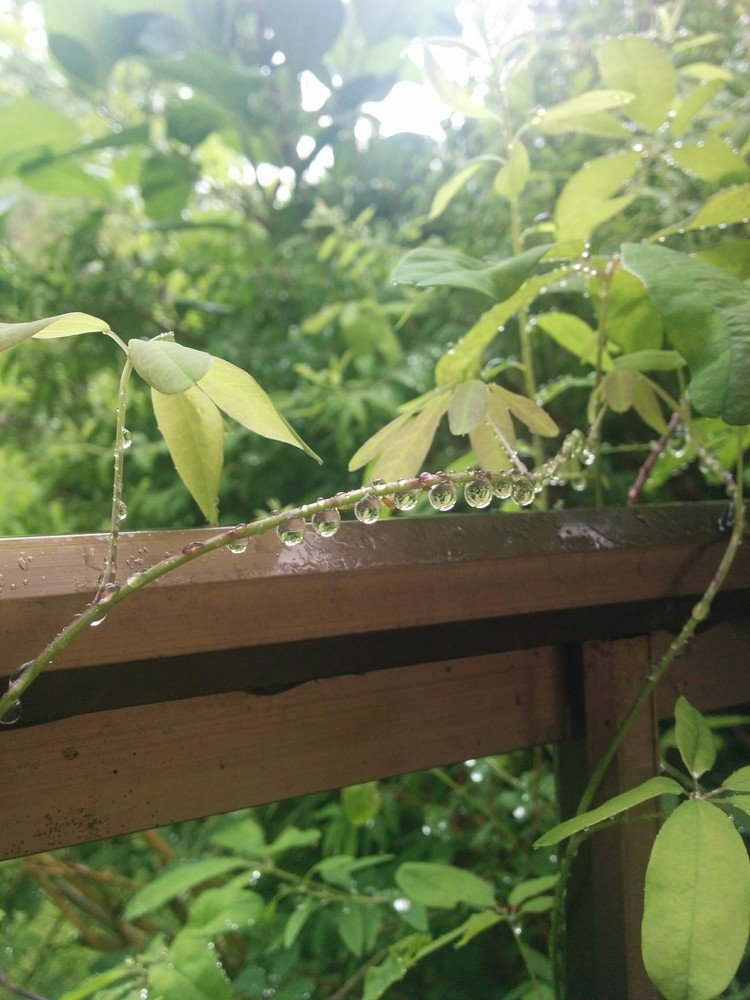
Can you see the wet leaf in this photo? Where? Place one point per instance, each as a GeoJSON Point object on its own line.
{"type": "Point", "coordinates": [435, 884]}
{"type": "Point", "coordinates": [166, 366]}
{"type": "Point", "coordinates": [695, 741]}
{"type": "Point", "coordinates": [65, 325]}
{"type": "Point", "coordinates": [637, 65]}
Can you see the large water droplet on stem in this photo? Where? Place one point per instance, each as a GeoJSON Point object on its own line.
{"type": "Point", "coordinates": [127, 439]}
{"type": "Point", "coordinates": [11, 714]}
{"type": "Point", "coordinates": [523, 492]}
{"type": "Point", "coordinates": [20, 671]}
{"type": "Point", "coordinates": [326, 522]}
{"type": "Point", "coordinates": [502, 485]}
{"type": "Point", "coordinates": [291, 532]}
{"type": "Point", "coordinates": [478, 493]}
{"type": "Point", "coordinates": [121, 510]}
{"type": "Point", "coordinates": [405, 499]}
{"type": "Point", "coordinates": [442, 496]}
{"type": "Point", "coordinates": [238, 546]}
{"type": "Point", "coordinates": [367, 510]}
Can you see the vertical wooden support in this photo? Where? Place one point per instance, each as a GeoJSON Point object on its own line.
{"type": "Point", "coordinates": [614, 673]}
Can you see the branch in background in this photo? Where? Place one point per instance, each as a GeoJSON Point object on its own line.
{"type": "Point", "coordinates": [657, 449]}
{"type": "Point", "coordinates": [19, 991]}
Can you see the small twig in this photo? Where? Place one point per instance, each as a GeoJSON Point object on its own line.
{"type": "Point", "coordinates": [358, 976]}
{"type": "Point", "coordinates": [20, 991]}
{"type": "Point", "coordinates": [634, 493]}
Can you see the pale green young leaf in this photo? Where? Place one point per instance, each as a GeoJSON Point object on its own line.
{"type": "Point", "coordinates": [299, 917]}
{"type": "Point", "coordinates": [566, 117]}
{"type": "Point", "coordinates": [585, 202]}
{"type": "Point", "coordinates": [448, 191]}
{"type": "Point", "coordinates": [65, 325]}
{"type": "Point", "coordinates": [476, 924]}
{"type": "Point", "coordinates": [450, 92]}
{"type": "Point", "coordinates": [91, 986]}
{"type": "Point", "coordinates": [511, 179]}
{"type": "Point", "coordinates": [712, 159]}
{"type": "Point", "coordinates": [360, 802]}
{"type": "Point", "coordinates": [637, 65]}
{"type": "Point", "coordinates": [575, 335]}
{"type": "Point", "coordinates": [229, 907]}
{"type": "Point", "coordinates": [650, 361]}
{"type": "Point", "coordinates": [499, 419]}
{"type": "Point", "coordinates": [175, 880]}
{"type": "Point", "coordinates": [626, 800]}
{"type": "Point", "coordinates": [375, 444]}
{"type": "Point", "coordinates": [527, 411]}
{"type": "Point", "coordinates": [706, 313]}
{"type": "Point", "coordinates": [724, 208]}
{"type": "Point", "coordinates": [189, 971]}
{"type": "Point", "coordinates": [690, 107]}
{"type": "Point", "coordinates": [429, 266]}
{"type": "Point", "coordinates": [531, 887]}
{"type": "Point", "coordinates": [695, 741]}
{"type": "Point", "coordinates": [442, 885]}
{"type": "Point", "coordinates": [632, 320]}
{"type": "Point", "coordinates": [732, 256]}
{"type": "Point", "coordinates": [618, 388]}
{"type": "Point", "coordinates": [487, 448]}
{"type": "Point", "coordinates": [194, 432]}
{"type": "Point", "coordinates": [646, 404]}
{"type": "Point", "coordinates": [468, 406]}
{"type": "Point", "coordinates": [706, 71]}
{"type": "Point", "coordinates": [404, 452]}
{"type": "Point", "coordinates": [166, 366]}
{"type": "Point", "coordinates": [739, 781]}
{"type": "Point", "coordinates": [243, 837]}
{"type": "Point", "coordinates": [241, 398]}
{"type": "Point", "coordinates": [463, 361]}
{"type": "Point", "coordinates": [697, 903]}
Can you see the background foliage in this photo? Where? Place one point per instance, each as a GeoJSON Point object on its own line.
{"type": "Point", "coordinates": [158, 167]}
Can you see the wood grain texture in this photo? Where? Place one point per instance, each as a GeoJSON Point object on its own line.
{"type": "Point", "coordinates": [99, 775]}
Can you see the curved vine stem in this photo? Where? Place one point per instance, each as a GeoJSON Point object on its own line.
{"type": "Point", "coordinates": [699, 613]}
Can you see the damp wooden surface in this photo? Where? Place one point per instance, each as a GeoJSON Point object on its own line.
{"type": "Point", "coordinates": [409, 573]}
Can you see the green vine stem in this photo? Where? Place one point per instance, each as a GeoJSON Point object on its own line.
{"type": "Point", "coordinates": [601, 339]}
{"type": "Point", "coordinates": [698, 615]}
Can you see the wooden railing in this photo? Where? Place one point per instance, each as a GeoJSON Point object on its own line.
{"type": "Point", "coordinates": [243, 679]}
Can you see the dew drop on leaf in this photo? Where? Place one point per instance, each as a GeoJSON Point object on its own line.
{"type": "Point", "coordinates": [367, 510]}
{"type": "Point", "coordinates": [442, 496]}
{"type": "Point", "coordinates": [478, 493]}
{"type": "Point", "coordinates": [291, 532]}
{"type": "Point", "coordinates": [326, 522]}
{"type": "Point", "coordinates": [11, 714]}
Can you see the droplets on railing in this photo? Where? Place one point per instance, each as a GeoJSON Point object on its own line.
{"type": "Point", "coordinates": [12, 713]}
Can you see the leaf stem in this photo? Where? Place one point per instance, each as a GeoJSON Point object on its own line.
{"type": "Point", "coordinates": [109, 571]}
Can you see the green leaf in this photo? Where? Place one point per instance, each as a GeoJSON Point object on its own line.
{"type": "Point", "coordinates": [338, 869]}
{"type": "Point", "coordinates": [468, 406]}
{"type": "Point", "coordinates": [403, 452]}
{"type": "Point", "coordinates": [63, 179]}
{"type": "Point", "coordinates": [574, 334]}
{"type": "Point", "coordinates": [711, 159]}
{"type": "Point", "coordinates": [166, 366]}
{"type": "Point", "coordinates": [476, 924]}
{"type": "Point", "coordinates": [739, 781]}
{"type": "Point", "coordinates": [367, 329]}
{"type": "Point", "coordinates": [487, 448]}
{"type": "Point", "coordinates": [450, 92]}
{"type": "Point", "coordinates": [448, 191]}
{"type": "Point", "coordinates": [443, 885]}
{"type": "Point", "coordinates": [691, 106]}
{"type": "Point", "coordinates": [697, 903]}
{"type": "Point", "coordinates": [228, 908]}
{"type": "Point", "coordinates": [527, 411]}
{"type": "Point", "coordinates": [299, 917]}
{"type": "Point", "coordinates": [539, 904]}
{"type": "Point", "coordinates": [241, 398]}
{"type": "Point", "coordinates": [706, 71]}
{"type": "Point", "coordinates": [175, 880]}
{"type": "Point", "coordinates": [30, 125]}
{"type": "Point", "coordinates": [626, 800]}
{"type": "Point", "coordinates": [706, 313]}
{"type": "Point", "coordinates": [530, 888]}
{"type": "Point", "coordinates": [65, 325]}
{"type": "Point", "coordinates": [351, 928]}
{"type": "Point", "coordinates": [190, 971]}
{"type": "Point", "coordinates": [194, 432]}
{"type": "Point", "coordinates": [732, 256]}
{"type": "Point", "coordinates": [429, 266]}
{"type": "Point", "coordinates": [650, 361]}
{"type": "Point", "coordinates": [567, 116]}
{"type": "Point", "coordinates": [618, 388]}
{"type": "Point", "coordinates": [511, 179]}
{"type": "Point", "coordinates": [585, 201]}
{"type": "Point", "coordinates": [90, 986]}
{"type": "Point", "coordinates": [724, 208]}
{"type": "Point", "coordinates": [646, 404]}
{"type": "Point", "coordinates": [290, 839]}
{"type": "Point", "coordinates": [695, 741]}
{"type": "Point", "coordinates": [636, 65]}
{"type": "Point", "coordinates": [167, 181]}
{"type": "Point", "coordinates": [360, 802]}
{"type": "Point", "coordinates": [243, 837]}
{"type": "Point", "coordinates": [632, 321]}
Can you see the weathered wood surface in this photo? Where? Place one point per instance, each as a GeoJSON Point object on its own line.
{"type": "Point", "coordinates": [106, 773]}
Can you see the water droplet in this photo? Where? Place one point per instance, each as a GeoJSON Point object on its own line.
{"type": "Point", "coordinates": [291, 532]}
{"type": "Point", "coordinates": [578, 483]}
{"type": "Point", "coordinates": [127, 439]}
{"type": "Point", "coordinates": [238, 546]}
{"type": "Point", "coordinates": [587, 456]}
{"type": "Point", "coordinates": [478, 493]}
{"type": "Point", "coordinates": [187, 550]}
{"type": "Point", "coordinates": [523, 492]}
{"type": "Point", "coordinates": [326, 522]}
{"type": "Point", "coordinates": [502, 485]}
{"type": "Point", "coordinates": [367, 510]}
{"type": "Point", "coordinates": [442, 496]}
{"type": "Point", "coordinates": [106, 593]}
{"type": "Point", "coordinates": [133, 579]}
{"type": "Point", "coordinates": [11, 714]}
{"type": "Point", "coordinates": [23, 562]}
{"type": "Point", "coordinates": [405, 499]}
{"type": "Point", "coordinates": [677, 444]}
{"type": "Point", "coordinates": [97, 622]}
{"type": "Point", "coordinates": [121, 510]}
{"type": "Point", "coordinates": [20, 671]}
